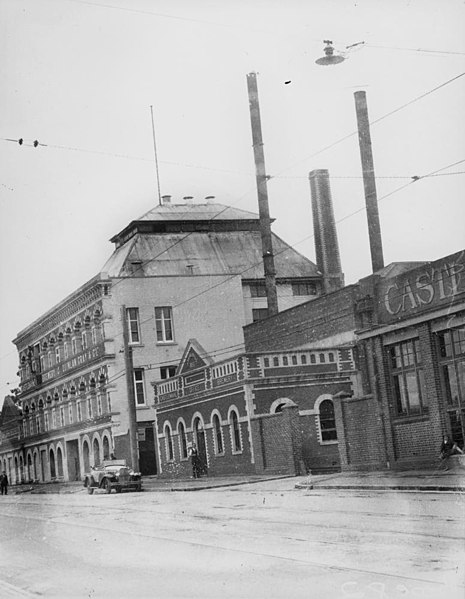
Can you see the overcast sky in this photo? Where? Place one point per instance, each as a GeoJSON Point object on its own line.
{"type": "Point", "coordinates": [80, 77]}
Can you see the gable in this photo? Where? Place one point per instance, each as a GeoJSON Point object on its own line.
{"type": "Point", "coordinates": [194, 357]}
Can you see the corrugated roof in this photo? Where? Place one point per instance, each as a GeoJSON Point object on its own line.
{"type": "Point", "coordinates": [195, 212]}
{"type": "Point", "coordinates": [213, 253]}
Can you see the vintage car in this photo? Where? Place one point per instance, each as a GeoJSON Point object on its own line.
{"type": "Point", "coordinates": [112, 474]}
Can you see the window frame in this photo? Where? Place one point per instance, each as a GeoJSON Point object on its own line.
{"type": "Point", "coordinates": [407, 379]}
{"type": "Point", "coordinates": [133, 324]}
{"type": "Point", "coordinates": [164, 315]}
{"type": "Point", "coordinates": [139, 385]}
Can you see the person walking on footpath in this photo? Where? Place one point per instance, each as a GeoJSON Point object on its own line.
{"type": "Point", "coordinates": [194, 456]}
{"type": "Point", "coordinates": [4, 483]}
{"type": "Point", "coordinates": [448, 449]}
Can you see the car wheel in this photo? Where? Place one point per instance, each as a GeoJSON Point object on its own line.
{"type": "Point", "coordinates": [107, 485]}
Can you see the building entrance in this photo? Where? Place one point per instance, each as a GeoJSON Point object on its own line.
{"type": "Point", "coordinates": [72, 453]}
{"type": "Point", "coordinates": [147, 457]}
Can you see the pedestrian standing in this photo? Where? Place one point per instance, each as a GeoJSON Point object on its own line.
{"type": "Point", "coordinates": [4, 483]}
{"type": "Point", "coordinates": [194, 456]}
{"type": "Point", "coordinates": [448, 448]}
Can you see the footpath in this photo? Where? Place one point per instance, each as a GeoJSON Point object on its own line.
{"type": "Point", "coordinates": [427, 481]}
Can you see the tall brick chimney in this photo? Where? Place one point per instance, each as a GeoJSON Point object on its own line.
{"type": "Point", "coordinates": [324, 227]}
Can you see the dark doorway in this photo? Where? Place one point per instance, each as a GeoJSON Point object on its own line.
{"type": "Point", "coordinates": [72, 454]}
{"type": "Point", "coordinates": [147, 456]}
{"type": "Point", "coordinates": [201, 446]}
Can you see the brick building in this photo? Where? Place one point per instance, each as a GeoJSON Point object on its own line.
{"type": "Point", "coordinates": [257, 412]}
{"type": "Point", "coordinates": [180, 271]}
{"type": "Point", "coordinates": [407, 323]}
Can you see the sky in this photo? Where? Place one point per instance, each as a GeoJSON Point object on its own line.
{"type": "Point", "coordinates": [80, 77]}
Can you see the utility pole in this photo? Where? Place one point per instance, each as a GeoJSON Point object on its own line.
{"type": "Point", "coordinates": [129, 367]}
{"type": "Point", "coordinates": [369, 182]}
{"type": "Point", "coordinates": [263, 206]}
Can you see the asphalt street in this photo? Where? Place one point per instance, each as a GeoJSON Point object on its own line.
{"type": "Point", "coordinates": [264, 540]}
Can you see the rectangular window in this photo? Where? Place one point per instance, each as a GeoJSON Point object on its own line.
{"type": "Point", "coordinates": [99, 405]}
{"type": "Point", "coordinates": [257, 289]}
{"type": "Point", "coordinates": [57, 354]}
{"type": "Point", "coordinates": [164, 324]}
{"type": "Point", "coordinates": [133, 325]}
{"type": "Point", "coordinates": [452, 367]}
{"type": "Point", "coordinates": [70, 414]}
{"type": "Point", "coordinates": [305, 288]}
{"type": "Point", "coordinates": [62, 416]}
{"type": "Point", "coordinates": [167, 372]}
{"type": "Point", "coordinates": [79, 411]}
{"type": "Point", "coordinates": [259, 314]}
{"type": "Point", "coordinates": [89, 407]}
{"type": "Point", "coordinates": [46, 421]}
{"type": "Point", "coordinates": [408, 383]}
{"type": "Point", "coordinates": [139, 387]}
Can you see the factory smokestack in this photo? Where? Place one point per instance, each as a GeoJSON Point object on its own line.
{"type": "Point", "coordinates": [324, 227]}
{"type": "Point", "coordinates": [369, 183]}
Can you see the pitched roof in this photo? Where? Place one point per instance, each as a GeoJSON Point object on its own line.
{"type": "Point", "coordinates": [206, 253]}
{"type": "Point", "coordinates": [195, 212]}
{"type": "Point", "coordinates": [10, 411]}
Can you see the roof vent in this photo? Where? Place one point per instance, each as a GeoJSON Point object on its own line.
{"type": "Point", "coordinates": [209, 199]}
{"type": "Point", "coordinates": [188, 199]}
{"type": "Point", "coordinates": [166, 199]}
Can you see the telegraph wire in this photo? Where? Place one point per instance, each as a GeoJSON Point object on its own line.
{"type": "Point", "coordinates": [349, 135]}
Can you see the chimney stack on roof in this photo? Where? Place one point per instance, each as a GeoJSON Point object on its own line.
{"type": "Point", "coordinates": [188, 199]}
{"type": "Point", "coordinates": [209, 199]}
{"type": "Point", "coordinates": [324, 227]}
{"type": "Point", "coordinates": [166, 199]}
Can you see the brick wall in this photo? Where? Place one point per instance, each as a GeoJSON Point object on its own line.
{"type": "Point", "coordinates": [328, 316]}
{"type": "Point", "coordinates": [277, 442]}
{"type": "Point", "coordinates": [360, 432]}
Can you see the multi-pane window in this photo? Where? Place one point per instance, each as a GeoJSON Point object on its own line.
{"type": "Point", "coordinates": [89, 407]}
{"type": "Point", "coordinates": [99, 405]}
{"type": "Point", "coordinates": [218, 435]}
{"type": "Point", "coordinates": [139, 388]}
{"type": "Point", "coordinates": [167, 372]}
{"type": "Point", "coordinates": [169, 444]}
{"type": "Point", "coordinates": [62, 416]}
{"type": "Point", "coordinates": [46, 421]}
{"type": "Point", "coordinates": [259, 314]}
{"type": "Point", "coordinates": [257, 289]}
{"type": "Point", "coordinates": [182, 440]}
{"type": "Point", "coordinates": [57, 354]}
{"type": "Point", "coordinates": [407, 378]}
{"type": "Point", "coordinates": [78, 411]}
{"type": "Point", "coordinates": [70, 414]}
{"type": "Point", "coordinates": [164, 324]}
{"type": "Point", "coordinates": [452, 364]}
{"type": "Point", "coordinates": [305, 288]}
{"type": "Point", "coordinates": [327, 421]}
{"type": "Point", "coordinates": [235, 432]}
{"type": "Point", "coordinates": [133, 325]}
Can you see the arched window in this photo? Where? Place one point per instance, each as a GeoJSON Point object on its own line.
{"type": "Point", "coordinates": [59, 462]}
{"type": "Point", "coordinates": [327, 421]}
{"type": "Point", "coordinates": [218, 436]}
{"type": "Point", "coordinates": [182, 440]}
{"type": "Point", "coordinates": [235, 432]}
{"type": "Point", "coordinates": [168, 443]}
{"type": "Point", "coordinates": [53, 472]}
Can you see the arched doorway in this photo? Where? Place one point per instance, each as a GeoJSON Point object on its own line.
{"type": "Point", "coordinates": [30, 472]}
{"type": "Point", "coordinates": [106, 448]}
{"type": "Point", "coordinates": [53, 472]}
{"type": "Point", "coordinates": [59, 462]}
{"type": "Point", "coordinates": [199, 437]}
{"type": "Point", "coordinates": [36, 466]}
{"type": "Point", "coordinates": [86, 456]}
{"type": "Point", "coordinates": [96, 451]}
{"type": "Point", "coordinates": [21, 469]}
